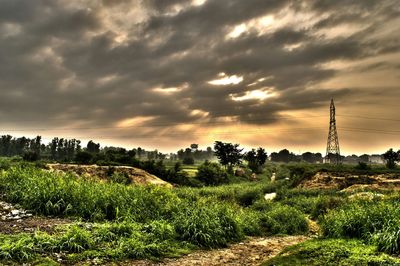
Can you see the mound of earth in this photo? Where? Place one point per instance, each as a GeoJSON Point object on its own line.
{"type": "Point", "coordinates": [351, 182]}
{"type": "Point", "coordinates": [135, 175]}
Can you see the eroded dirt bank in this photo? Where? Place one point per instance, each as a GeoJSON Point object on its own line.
{"type": "Point", "coordinates": [349, 182]}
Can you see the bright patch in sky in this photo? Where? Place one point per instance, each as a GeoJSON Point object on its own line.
{"type": "Point", "coordinates": [166, 90]}
{"type": "Point", "coordinates": [226, 80]}
{"type": "Point", "coordinates": [237, 31]}
{"type": "Point", "coordinates": [253, 95]}
{"type": "Point", "coordinates": [135, 121]}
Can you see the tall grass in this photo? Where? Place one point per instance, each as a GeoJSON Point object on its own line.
{"type": "Point", "coordinates": [374, 222]}
{"type": "Point", "coordinates": [145, 221]}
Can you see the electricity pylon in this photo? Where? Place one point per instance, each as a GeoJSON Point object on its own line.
{"type": "Point", "coordinates": [332, 147]}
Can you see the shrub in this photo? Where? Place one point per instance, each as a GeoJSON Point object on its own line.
{"type": "Point", "coordinates": [284, 220]}
{"type": "Point", "coordinates": [83, 157]}
{"type": "Point", "coordinates": [388, 239]}
{"type": "Point", "coordinates": [30, 156]}
{"type": "Point", "coordinates": [248, 196]}
{"type": "Point", "coordinates": [211, 174]}
{"type": "Point", "coordinates": [76, 239]}
{"type": "Point", "coordinates": [207, 224]}
{"type": "Point", "coordinates": [359, 219]}
{"type": "Point", "coordinates": [188, 160]}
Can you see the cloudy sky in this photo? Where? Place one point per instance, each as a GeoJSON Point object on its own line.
{"type": "Point", "coordinates": [167, 73]}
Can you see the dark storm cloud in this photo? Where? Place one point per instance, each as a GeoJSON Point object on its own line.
{"type": "Point", "coordinates": [63, 58]}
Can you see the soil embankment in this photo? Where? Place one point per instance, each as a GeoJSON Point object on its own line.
{"type": "Point", "coordinates": [135, 175]}
{"type": "Point", "coordinates": [349, 182]}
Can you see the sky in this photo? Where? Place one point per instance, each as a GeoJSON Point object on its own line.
{"type": "Point", "coordinates": [167, 73]}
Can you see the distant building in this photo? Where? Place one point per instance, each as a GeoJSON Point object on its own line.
{"type": "Point", "coordinates": [376, 159]}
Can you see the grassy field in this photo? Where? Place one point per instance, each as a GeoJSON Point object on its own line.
{"type": "Point", "coordinates": [112, 221]}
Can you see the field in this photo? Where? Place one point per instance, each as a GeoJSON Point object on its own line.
{"type": "Point", "coordinates": [80, 220]}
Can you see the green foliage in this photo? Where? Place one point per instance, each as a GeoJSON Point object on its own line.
{"type": "Point", "coordinates": [30, 156]}
{"type": "Point", "coordinates": [188, 160]}
{"type": "Point", "coordinates": [208, 224]}
{"type": "Point", "coordinates": [83, 157]}
{"type": "Point", "coordinates": [256, 159]}
{"type": "Point", "coordinates": [388, 239]}
{"type": "Point", "coordinates": [332, 252]}
{"type": "Point", "coordinates": [284, 220]}
{"type": "Point", "coordinates": [211, 174]}
{"type": "Point", "coordinates": [228, 154]}
{"type": "Point", "coordinates": [100, 241]}
{"type": "Point", "coordinates": [391, 158]}
{"type": "Point", "coordinates": [65, 195]}
{"type": "Point", "coordinates": [363, 166]}
{"type": "Point", "coordinates": [376, 222]}
{"type": "Point", "coordinates": [359, 219]}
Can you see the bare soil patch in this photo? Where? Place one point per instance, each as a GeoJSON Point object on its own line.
{"type": "Point", "coordinates": [15, 220]}
{"type": "Point", "coordinates": [350, 182]}
{"type": "Point", "coordinates": [31, 224]}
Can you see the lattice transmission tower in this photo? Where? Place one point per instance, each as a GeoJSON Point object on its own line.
{"type": "Point", "coordinates": [332, 147]}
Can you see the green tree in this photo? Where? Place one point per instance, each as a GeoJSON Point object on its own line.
{"type": "Point", "coordinates": [93, 147]}
{"type": "Point", "coordinates": [228, 154]}
{"type": "Point", "coordinates": [256, 159]}
{"type": "Point", "coordinates": [83, 157]}
{"type": "Point", "coordinates": [391, 158]}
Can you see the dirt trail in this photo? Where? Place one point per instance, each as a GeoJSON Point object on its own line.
{"type": "Point", "coordinates": [253, 251]}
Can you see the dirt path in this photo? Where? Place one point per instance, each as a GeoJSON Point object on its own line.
{"type": "Point", "coordinates": [254, 251]}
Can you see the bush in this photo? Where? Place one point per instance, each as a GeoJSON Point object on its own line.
{"type": "Point", "coordinates": [30, 156]}
{"type": "Point", "coordinates": [363, 166]}
{"type": "Point", "coordinates": [284, 220]}
{"type": "Point", "coordinates": [211, 174]}
{"type": "Point", "coordinates": [83, 157]}
{"type": "Point", "coordinates": [208, 224]}
{"type": "Point", "coordinates": [388, 239]}
{"type": "Point", "coordinates": [248, 197]}
{"type": "Point", "coordinates": [360, 219]}
{"type": "Point", "coordinates": [188, 160]}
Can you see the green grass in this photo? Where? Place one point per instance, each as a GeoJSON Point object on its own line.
{"type": "Point", "coordinates": [332, 252]}
{"type": "Point", "coordinates": [138, 221]}
{"type": "Point", "coordinates": [123, 222]}
{"type": "Point", "coordinates": [376, 222]}
{"type": "Point", "coordinates": [102, 241]}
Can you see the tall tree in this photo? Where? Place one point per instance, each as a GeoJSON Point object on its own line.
{"type": "Point", "coordinates": [391, 158]}
{"type": "Point", "coordinates": [228, 154]}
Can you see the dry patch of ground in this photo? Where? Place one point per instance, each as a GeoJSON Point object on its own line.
{"type": "Point", "coordinates": [135, 175]}
{"type": "Point", "coordinates": [14, 220]}
{"type": "Point", "coordinates": [350, 182]}
{"type": "Point", "coordinates": [251, 252]}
